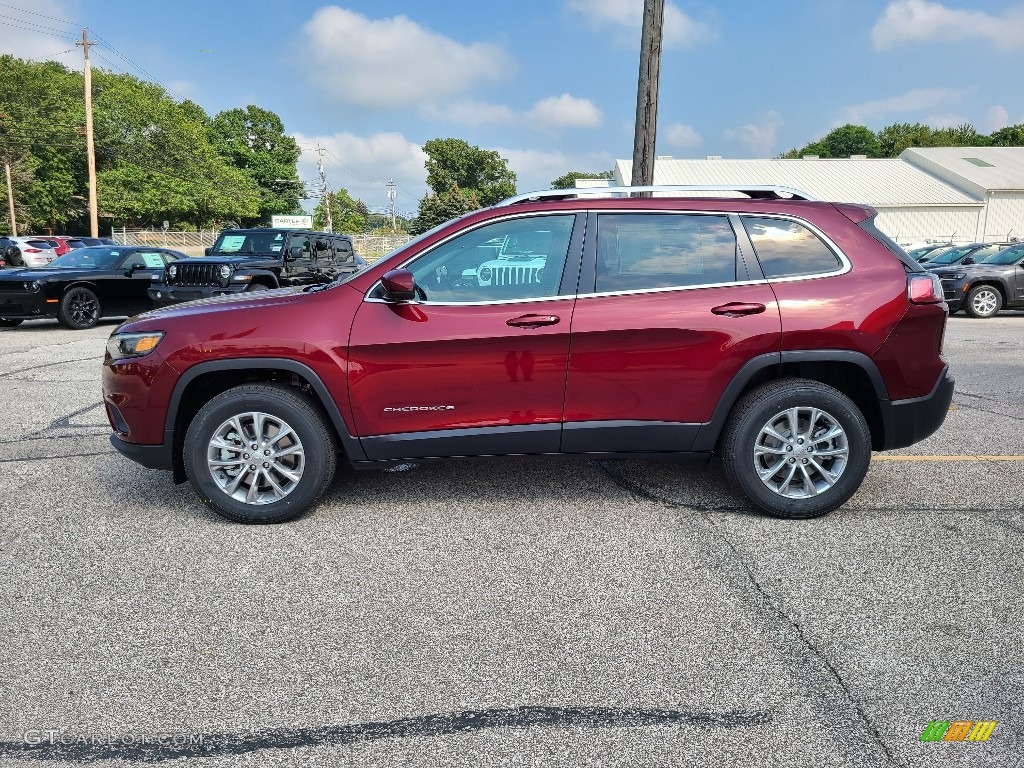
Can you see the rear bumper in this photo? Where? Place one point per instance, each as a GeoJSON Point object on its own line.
{"type": "Point", "coordinates": [909, 421]}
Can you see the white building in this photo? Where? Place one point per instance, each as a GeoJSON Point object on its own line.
{"type": "Point", "coordinates": [924, 195]}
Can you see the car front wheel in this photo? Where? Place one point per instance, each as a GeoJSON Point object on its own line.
{"type": "Point", "coordinates": [797, 448]}
{"type": "Point", "coordinates": [259, 453]}
{"type": "Point", "coordinates": [983, 301]}
{"type": "Point", "coordinates": [79, 309]}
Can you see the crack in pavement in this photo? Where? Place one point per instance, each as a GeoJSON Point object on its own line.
{"type": "Point", "coordinates": [7, 374]}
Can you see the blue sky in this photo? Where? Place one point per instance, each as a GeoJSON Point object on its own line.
{"type": "Point", "coordinates": [551, 84]}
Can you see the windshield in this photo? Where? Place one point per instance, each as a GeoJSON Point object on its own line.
{"type": "Point", "coordinates": [249, 242]}
{"type": "Point", "coordinates": [89, 258]}
{"type": "Point", "coordinates": [953, 254]}
{"type": "Point", "coordinates": [1005, 256]}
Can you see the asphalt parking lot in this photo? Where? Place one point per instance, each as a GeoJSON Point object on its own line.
{"type": "Point", "coordinates": [521, 612]}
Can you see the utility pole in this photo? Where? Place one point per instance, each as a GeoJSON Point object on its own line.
{"type": "Point", "coordinates": [90, 149]}
{"type": "Point", "coordinates": [325, 195]}
{"type": "Point", "coordinates": [647, 95]}
{"type": "Point", "coordinates": [10, 197]}
{"type": "Point", "coordinates": [392, 195]}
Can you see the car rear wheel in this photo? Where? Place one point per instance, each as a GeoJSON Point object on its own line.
{"type": "Point", "coordinates": [12, 322]}
{"type": "Point", "coordinates": [259, 453]}
{"type": "Point", "coordinates": [983, 301]}
{"type": "Point", "coordinates": [257, 287]}
{"type": "Point", "coordinates": [79, 309]}
{"type": "Point", "coordinates": [797, 448]}
{"type": "Point", "coordinates": [14, 257]}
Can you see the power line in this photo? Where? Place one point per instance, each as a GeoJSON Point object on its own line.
{"type": "Point", "coordinates": [137, 68]}
{"type": "Point", "coordinates": [40, 15]}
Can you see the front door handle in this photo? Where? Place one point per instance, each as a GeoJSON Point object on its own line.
{"type": "Point", "coordinates": [738, 309]}
{"type": "Point", "coordinates": [532, 321]}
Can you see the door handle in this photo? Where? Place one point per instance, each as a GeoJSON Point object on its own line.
{"type": "Point", "coordinates": [738, 309]}
{"type": "Point", "coordinates": [532, 321]}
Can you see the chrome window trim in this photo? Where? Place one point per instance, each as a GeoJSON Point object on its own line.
{"type": "Point", "coordinates": [844, 263]}
{"type": "Point", "coordinates": [428, 303]}
{"type": "Point", "coordinates": [671, 288]}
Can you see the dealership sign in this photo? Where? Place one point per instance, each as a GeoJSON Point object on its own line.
{"type": "Point", "coordinates": [291, 222]}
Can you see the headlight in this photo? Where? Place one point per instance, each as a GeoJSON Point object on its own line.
{"type": "Point", "coordinates": [954, 276]}
{"type": "Point", "coordinates": [225, 272]}
{"type": "Point", "coordinates": [32, 286]}
{"type": "Point", "coordinates": [122, 345]}
{"type": "Point", "coordinates": [485, 274]}
{"type": "Point", "coordinates": [172, 272]}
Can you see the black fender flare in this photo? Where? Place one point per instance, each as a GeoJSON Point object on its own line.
{"type": "Point", "coordinates": [707, 438]}
{"type": "Point", "coordinates": [351, 445]}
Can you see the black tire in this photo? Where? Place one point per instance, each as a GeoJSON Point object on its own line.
{"type": "Point", "coordinates": [12, 322]}
{"type": "Point", "coordinates": [983, 301]}
{"type": "Point", "coordinates": [256, 287]}
{"type": "Point", "coordinates": [14, 258]}
{"type": "Point", "coordinates": [312, 460]}
{"type": "Point", "coordinates": [79, 309]}
{"type": "Point", "coordinates": [747, 449]}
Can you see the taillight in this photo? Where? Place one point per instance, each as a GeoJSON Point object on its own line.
{"type": "Point", "coordinates": [32, 250]}
{"type": "Point", "coordinates": [924, 288]}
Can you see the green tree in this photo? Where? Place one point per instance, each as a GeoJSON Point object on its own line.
{"type": "Point", "coordinates": [454, 163]}
{"type": "Point", "coordinates": [895, 138]}
{"type": "Point", "coordinates": [568, 180]}
{"type": "Point", "coordinates": [348, 215]}
{"type": "Point", "coordinates": [436, 209]}
{"type": "Point", "coordinates": [253, 140]}
{"type": "Point", "coordinates": [849, 140]}
{"type": "Point", "coordinates": [1010, 136]}
{"type": "Point", "coordinates": [963, 135]}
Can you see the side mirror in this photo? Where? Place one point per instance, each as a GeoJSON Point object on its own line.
{"type": "Point", "coordinates": [399, 285]}
{"type": "Point", "coordinates": [131, 270]}
{"type": "Point", "coordinates": [207, 251]}
{"type": "Point", "coordinates": [295, 252]}
{"type": "Point", "coordinates": [968, 260]}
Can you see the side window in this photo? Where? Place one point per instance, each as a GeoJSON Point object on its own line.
{"type": "Point", "coordinates": [302, 243]}
{"type": "Point", "coordinates": [342, 250]}
{"type": "Point", "coordinates": [639, 251]}
{"type": "Point", "coordinates": [788, 249]}
{"type": "Point", "coordinates": [513, 259]}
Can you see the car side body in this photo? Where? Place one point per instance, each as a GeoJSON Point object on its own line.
{"type": "Point", "coordinates": [984, 288]}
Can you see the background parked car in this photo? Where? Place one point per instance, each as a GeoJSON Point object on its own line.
{"type": "Point", "coordinates": [982, 289]}
{"type": "Point", "coordinates": [963, 254]}
{"type": "Point", "coordinates": [926, 251]}
{"type": "Point", "coordinates": [82, 286]}
{"type": "Point", "coordinates": [30, 252]}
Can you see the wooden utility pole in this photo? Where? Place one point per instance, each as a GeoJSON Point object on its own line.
{"type": "Point", "coordinates": [647, 94]}
{"type": "Point", "coordinates": [10, 198]}
{"type": "Point", "coordinates": [90, 149]}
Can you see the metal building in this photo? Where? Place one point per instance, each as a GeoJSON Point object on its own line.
{"type": "Point", "coordinates": [994, 175]}
{"type": "Point", "coordinates": [914, 205]}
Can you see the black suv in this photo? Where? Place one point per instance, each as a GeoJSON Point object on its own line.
{"type": "Point", "coordinates": [982, 289]}
{"type": "Point", "coordinates": [257, 260]}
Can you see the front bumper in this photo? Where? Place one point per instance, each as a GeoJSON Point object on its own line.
{"type": "Point", "coordinates": [953, 292]}
{"type": "Point", "coordinates": [149, 456]}
{"type": "Point", "coordinates": [26, 305]}
{"type": "Point", "coordinates": [163, 294]}
{"type": "Point", "coordinates": [909, 421]}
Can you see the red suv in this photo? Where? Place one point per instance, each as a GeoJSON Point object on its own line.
{"type": "Point", "coordinates": [786, 335]}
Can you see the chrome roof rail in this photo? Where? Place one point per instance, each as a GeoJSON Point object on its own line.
{"type": "Point", "coordinates": [757, 191]}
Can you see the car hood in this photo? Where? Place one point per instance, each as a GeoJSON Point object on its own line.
{"type": "Point", "coordinates": [221, 303]}
{"type": "Point", "coordinates": [231, 258]}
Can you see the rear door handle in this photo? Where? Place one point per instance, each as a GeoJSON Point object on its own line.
{"type": "Point", "coordinates": [738, 309]}
{"type": "Point", "coordinates": [532, 321]}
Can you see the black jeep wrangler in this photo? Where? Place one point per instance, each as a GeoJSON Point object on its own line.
{"type": "Point", "coordinates": [257, 260]}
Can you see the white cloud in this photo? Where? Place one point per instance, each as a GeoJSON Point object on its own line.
{"type": "Point", "coordinates": [394, 62]}
{"type": "Point", "coordinates": [29, 36]}
{"type": "Point", "coordinates": [565, 111]}
{"type": "Point", "coordinates": [468, 112]}
{"type": "Point", "coordinates": [945, 120]}
{"type": "Point", "coordinates": [536, 168]}
{"type": "Point", "coordinates": [682, 136]}
{"type": "Point", "coordinates": [759, 139]}
{"type": "Point", "coordinates": [679, 30]}
{"type": "Point", "coordinates": [997, 118]}
{"type": "Point", "coordinates": [906, 21]}
{"type": "Point", "coordinates": [361, 164]}
{"type": "Point", "coordinates": [911, 101]}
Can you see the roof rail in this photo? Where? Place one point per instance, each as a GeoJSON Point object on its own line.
{"type": "Point", "coordinates": [758, 191]}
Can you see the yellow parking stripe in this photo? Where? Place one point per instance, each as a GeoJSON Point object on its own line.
{"type": "Point", "coordinates": [947, 458]}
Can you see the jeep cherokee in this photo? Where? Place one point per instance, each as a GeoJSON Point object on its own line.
{"type": "Point", "coordinates": [788, 336]}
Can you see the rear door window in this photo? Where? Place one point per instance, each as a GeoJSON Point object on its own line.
{"type": "Point", "coordinates": [786, 248]}
{"type": "Point", "coordinates": [643, 251]}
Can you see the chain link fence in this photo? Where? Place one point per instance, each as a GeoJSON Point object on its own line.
{"type": "Point", "coordinates": [370, 247]}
